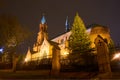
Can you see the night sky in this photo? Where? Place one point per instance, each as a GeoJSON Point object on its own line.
{"type": "Point", "coordinates": [29, 13]}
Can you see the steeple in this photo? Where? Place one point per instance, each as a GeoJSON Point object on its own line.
{"type": "Point", "coordinates": [67, 25]}
{"type": "Point", "coordinates": [42, 31]}
{"type": "Point", "coordinates": [43, 21]}
{"type": "Point", "coordinates": [43, 25]}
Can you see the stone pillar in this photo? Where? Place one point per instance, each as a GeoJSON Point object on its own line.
{"type": "Point", "coordinates": [55, 63]}
{"type": "Point", "coordinates": [50, 51]}
{"type": "Point", "coordinates": [102, 55]}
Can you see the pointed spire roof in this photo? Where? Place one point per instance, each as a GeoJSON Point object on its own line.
{"type": "Point", "coordinates": [28, 55]}
{"type": "Point", "coordinates": [43, 20]}
{"type": "Point", "coordinates": [28, 50]}
{"type": "Point", "coordinates": [67, 24]}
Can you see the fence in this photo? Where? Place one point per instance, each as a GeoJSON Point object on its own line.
{"type": "Point", "coordinates": [46, 63]}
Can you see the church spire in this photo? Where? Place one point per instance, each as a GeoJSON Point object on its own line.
{"type": "Point", "coordinates": [67, 25]}
{"type": "Point", "coordinates": [43, 25]}
{"type": "Point", "coordinates": [42, 31]}
{"type": "Point", "coordinates": [43, 20]}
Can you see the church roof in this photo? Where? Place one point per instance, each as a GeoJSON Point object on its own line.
{"type": "Point", "coordinates": [62, 35]}
{"type": "Point", "coordinates": [67, 34]}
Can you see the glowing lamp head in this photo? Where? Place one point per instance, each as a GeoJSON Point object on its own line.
{"type": "Point", "coordinates": [116, 56]}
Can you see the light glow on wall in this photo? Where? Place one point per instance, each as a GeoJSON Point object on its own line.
{"type": "Point", "coordinates": [44, 50]}
{"type": "Point", "coordinates": [116, 56]}
{"type": "Point", "coordinates": [66, 53]}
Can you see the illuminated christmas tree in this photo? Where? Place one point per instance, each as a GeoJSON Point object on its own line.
{"type": "Point", "coordinates": [79, 40]}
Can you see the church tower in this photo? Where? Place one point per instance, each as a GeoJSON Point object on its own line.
{"type": "Point", "coordinates": [42, 34]}
{"type": "Point", "coordinates": [42, 31]}
{"type": "Point", "coordinates": [43, 25]}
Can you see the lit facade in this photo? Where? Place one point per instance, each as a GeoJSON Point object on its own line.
{"type": "Point", "coordinates": [43, 48]}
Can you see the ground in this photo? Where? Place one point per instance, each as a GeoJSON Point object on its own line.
{"type": "Point", "coordinates": [45, 74]}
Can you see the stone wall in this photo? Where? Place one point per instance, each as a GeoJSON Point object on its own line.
{"type": "Point", "coordinates": [99, 30]}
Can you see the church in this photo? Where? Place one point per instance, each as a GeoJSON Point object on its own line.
{"type": "Point", "coordinates": [44, 48]}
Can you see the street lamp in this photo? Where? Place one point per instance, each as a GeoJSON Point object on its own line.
{"type": "Point", "coordinates": [116, 56]}
{"type": "Point", "coordinates": [1, 50]}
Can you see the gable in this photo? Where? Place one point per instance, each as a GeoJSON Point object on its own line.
{"type": "Point", "coordinates": [99, 39]}
{"type": "Point", "coordinates": [45, 48]}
